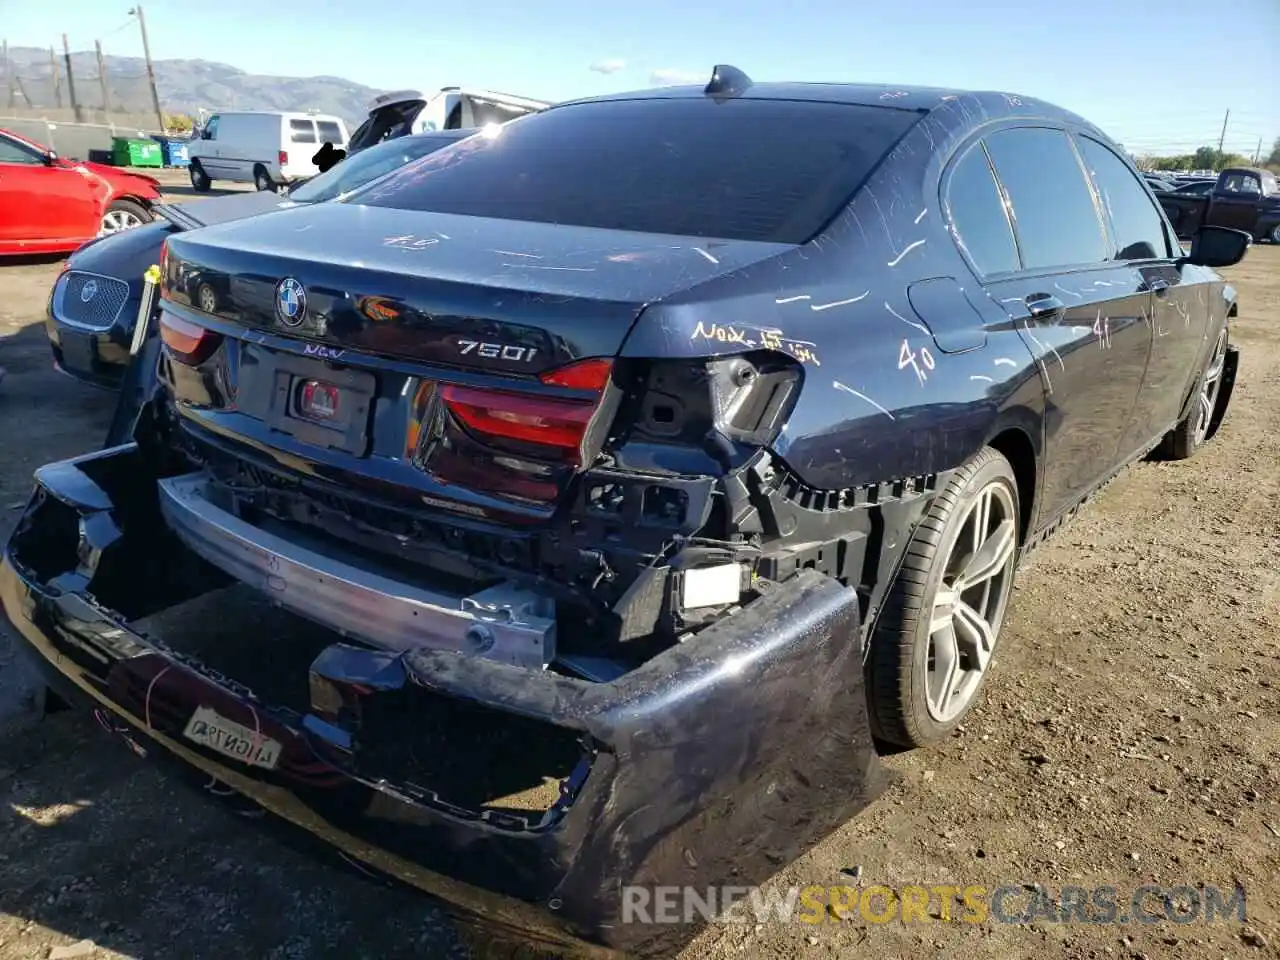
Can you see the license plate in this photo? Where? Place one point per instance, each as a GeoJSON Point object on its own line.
{"type": "Point", "coordinates": [78, 351]}
{"type": "Point", "coordinates": [208, 728]}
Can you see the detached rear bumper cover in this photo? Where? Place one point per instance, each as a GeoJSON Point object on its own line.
{"type": "Point", "coordinates": [716, 763]}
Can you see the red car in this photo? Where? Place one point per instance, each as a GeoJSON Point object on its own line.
{"type": "Point", "coordinates": [52, 205]}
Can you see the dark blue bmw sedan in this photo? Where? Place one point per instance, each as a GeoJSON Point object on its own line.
{"type": "Point", "coordinates": [636, 472]}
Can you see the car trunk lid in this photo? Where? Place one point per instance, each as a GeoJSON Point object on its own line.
{"type": "Point", "coordinates": [423, 286]}
{"type": "Point", "coordinates": [462, 363]}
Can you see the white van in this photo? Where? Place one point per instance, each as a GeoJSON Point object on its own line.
{"type": "Point", "coordinates": [265, 149]}
{"type": "Point", "coordinates": [402, 112]}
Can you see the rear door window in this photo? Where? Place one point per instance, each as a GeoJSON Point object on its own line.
{"type": "Point", "coordinates": [978, 214]}
{"type": "Point", "coordinates": [738, 169]}
{"type": "Point", "coordinates": [1136, 224]}
{"type": "Point", "coordinates": [302, 131]}
{"type": "Point", "coordinates": [1054, 213]}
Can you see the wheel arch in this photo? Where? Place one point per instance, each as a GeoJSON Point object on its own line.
{"type": "Point", "coordinates": [1016, 445]}
{"type": "Point", "coordinates": [145, 202]}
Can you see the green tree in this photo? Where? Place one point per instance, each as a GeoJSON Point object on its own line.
{"type": "Point", "coordinates": [177, 122]}
{"type": "Point", "coordinates": [1273, 159]}
{"type": "Point", "coordinates": [1206, 158]}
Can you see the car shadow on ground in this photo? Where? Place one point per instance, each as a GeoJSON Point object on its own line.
{"type": "Point", "coordinates": [143, 865]}
{"type": "Point", "coordinates": [31, 260]}
{"type": "Point", "coordinates": [98, 844]}
{"type": "Point", "coordinates": [44, 416]}
{"type": "Point", "coordinates": [187, 192]}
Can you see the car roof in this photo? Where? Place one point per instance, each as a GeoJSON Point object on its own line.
{"type": "Point", "coordinates": [900, 97]}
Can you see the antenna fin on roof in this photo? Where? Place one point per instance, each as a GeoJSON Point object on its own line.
{"type": "Point", "coordinates": [727, 81]}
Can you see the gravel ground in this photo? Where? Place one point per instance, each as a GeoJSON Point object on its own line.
{"type": "Point", "coordinates": [1129, 736]}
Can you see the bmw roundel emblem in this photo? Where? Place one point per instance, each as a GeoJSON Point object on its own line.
{"type": "Point", "coordinates": [291, 302]}
{"type": "Point", "coordinates": [88, 291]}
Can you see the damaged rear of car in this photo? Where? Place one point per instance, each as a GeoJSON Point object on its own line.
{"type": "Point", "coordinates": [559, 618]}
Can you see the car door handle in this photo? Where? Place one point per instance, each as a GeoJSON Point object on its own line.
{"type": "Point", "coordinates": [1157, 286]}
{"type": "Point", "coordinates": [1045, 307]}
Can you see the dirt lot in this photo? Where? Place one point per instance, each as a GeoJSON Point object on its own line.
{"type": "Point", "coordinates": [1130, 736]}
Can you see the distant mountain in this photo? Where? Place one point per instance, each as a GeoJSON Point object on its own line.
{"type": "Point", "coordinates": [185, 86]}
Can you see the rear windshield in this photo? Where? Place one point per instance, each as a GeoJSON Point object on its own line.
{"type": "Point", "coordinates": [739, 170]}
{"type": "Point", "coordinates": [329, 131]}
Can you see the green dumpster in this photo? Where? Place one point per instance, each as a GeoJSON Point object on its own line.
{"type": "Point", "coordinates": [127, 152]}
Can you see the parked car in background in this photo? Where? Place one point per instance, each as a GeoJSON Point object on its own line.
{"type": "Point", "coordinates": [403, 112]}
{"type": "Point", "coordinates": [52, 205]}
{"type": "Point", "coordinates": [1195, 188]}
{"type": "Point", "coordinates": [621, 474]}
{"type": "Point", "coordinates": [1158, 183]}
{"type": "Point", "coordinates": [268, 150]}
{"type": "Point", "coordinates": [1243, 198]}
{"type": "Point", "coordinates": [93, 305]}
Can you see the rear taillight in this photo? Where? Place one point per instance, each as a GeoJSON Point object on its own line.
{"type": "Point", "coordinates": [189, 342]}
{"type": "Point", "coordinates": [284, 158]}
{"type": "Point", "coordinates": [514, 416]}
{"type": "Point", "coordinates": [558, 425]}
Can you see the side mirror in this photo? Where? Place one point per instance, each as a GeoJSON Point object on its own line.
{"type": "Point", "coordinates": [50, 159]}
{"type": "Point", "coordinates": [1218, 247]}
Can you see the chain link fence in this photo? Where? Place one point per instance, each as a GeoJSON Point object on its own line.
{"type": "Point", "coordinates": [79, 111]}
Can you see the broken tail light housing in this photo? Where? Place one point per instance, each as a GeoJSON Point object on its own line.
{"type": "Point", "coordinates": [555, 427]}
{"type": "Point", "coordinates": [188, 342]}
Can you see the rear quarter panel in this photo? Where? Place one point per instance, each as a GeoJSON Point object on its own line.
{"type": "Point", "coordinates": [882, 399]}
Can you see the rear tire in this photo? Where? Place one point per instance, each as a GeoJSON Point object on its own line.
{"type": "Point", "coordinates": [940, 625]}
{"type": "Point", "coordinates": [200, 181]}
{"type": "Point", "coordinates": [262, 179]}
{"type": "Point", "coordinates": [1192, 431]}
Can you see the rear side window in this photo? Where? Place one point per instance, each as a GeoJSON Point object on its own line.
{"type": "Point", "coordinates": [302, 131]}
{"type": "Point", "coordinates": [1136, 225]}
{"type": "Point", "coordinates": [1053, 208]}
{"type": "Point", "coordinates": [978, 216]}
{"type": "Point", "coordinates": [329, 131]}
{"type": "Point", "coordinates": [741, 169]}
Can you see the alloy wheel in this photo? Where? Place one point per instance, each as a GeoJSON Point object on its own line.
{"type": "Point", "coordinates": [114, 221]}
{"type": "Point", "coordinates": [971, 601]}
{"type": "Point", "coordinates": [1210, 387]}
{"type": "Point", "coordinates": [1275, 233]}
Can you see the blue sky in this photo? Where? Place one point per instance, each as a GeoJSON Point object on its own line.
{"type": "Point", "coordinates": [1156, 74]}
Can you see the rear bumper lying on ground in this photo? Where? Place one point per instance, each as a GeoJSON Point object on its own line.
{"type": "Point", "coordinates": [715, 763]}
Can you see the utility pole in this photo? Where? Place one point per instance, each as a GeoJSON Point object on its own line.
{"type": "Point", "coordinates": [57, 77]}
{"type": "Point", "coordinates": [71, 81]}
{"type": "Point", "coordinates": [151, 70]}
{"type": "Point", "coordinates": [102, 80]}
{"type": "Point", "coordinates": [1257, 154]}
{"type": "Point", "coordinates": [8, 72]}
{"type": "Point", "coordinates": [1222, 139]}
